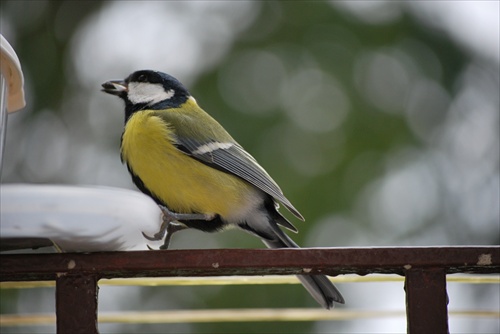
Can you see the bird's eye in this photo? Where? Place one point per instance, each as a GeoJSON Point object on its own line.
{"type": "Point", "coordinates": [142, 78]}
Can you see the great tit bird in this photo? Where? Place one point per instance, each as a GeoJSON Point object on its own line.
{"type": "Point", "coordinates": [197, 173]}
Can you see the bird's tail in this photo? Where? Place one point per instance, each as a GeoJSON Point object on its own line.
{"type": "Point", "coordinates": [319, 286]}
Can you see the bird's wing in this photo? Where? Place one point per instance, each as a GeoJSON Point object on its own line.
{"type": "Point", "coordinates": [194, 135]}
{"type": "Point", "coordinates": [230, 157]}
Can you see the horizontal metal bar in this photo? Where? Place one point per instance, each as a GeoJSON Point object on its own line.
{"type": "Point", "coordinates": [223, 262]}
{"type": "Point", "coordinates": [251, 280]}
{"type": "Point", "coordinates": [230, 315]}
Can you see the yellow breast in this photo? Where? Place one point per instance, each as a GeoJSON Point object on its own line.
{"type": "Point", "coordinates": [184, 184]}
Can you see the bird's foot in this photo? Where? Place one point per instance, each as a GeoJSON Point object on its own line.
{"type": "Point", "coordinates": [158, 235]}
{"type": "Point", "coordinates": [171, 223]}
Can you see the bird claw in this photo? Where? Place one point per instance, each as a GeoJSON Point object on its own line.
{"type": "Point", "coordinates": [162, 247]}
{"type": "Point", "coordinates": [171, 223]}
{"type": "Point", "coordinates": [165, 233]}
{"type": "Point", "coordinates": [156, 237]}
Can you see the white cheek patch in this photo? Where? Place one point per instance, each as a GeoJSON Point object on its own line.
{"type": "Point", "coordinates": [144, 92]}
{"type": "Point", "coordinates": [210, 147]}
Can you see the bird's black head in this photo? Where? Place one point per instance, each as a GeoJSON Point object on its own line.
{"type": "Point", "coordinates": [147, 89]}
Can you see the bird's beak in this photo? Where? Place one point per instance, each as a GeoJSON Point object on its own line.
{"type": "Point", "coordinates": [115, 87]}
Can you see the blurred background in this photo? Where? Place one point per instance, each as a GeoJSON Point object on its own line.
{"type": "Point", "coordinates": [379, 120]}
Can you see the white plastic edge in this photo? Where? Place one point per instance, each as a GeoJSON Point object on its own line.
{"type": "Point", "coordinates": [13, 74]}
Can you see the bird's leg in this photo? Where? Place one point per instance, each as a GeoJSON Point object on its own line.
{"type": "Point", "coordinates": [172, 222]}
{"type": "Point", "coordinates": [171, 229]}
{"type": "Point", "coordinates": [185, 216]}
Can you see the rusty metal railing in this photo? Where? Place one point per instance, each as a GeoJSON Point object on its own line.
{"type": "Point", "coordinates": [425, 269]}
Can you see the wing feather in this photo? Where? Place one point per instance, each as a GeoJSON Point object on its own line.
{"type": "Point", "coordinates": [194, 132]}
{"type": "Point", "coordinates": [232, 158]}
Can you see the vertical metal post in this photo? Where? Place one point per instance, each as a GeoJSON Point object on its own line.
{"type": "Point", "coordinates": [76, 304]}
{"type": "Point", "coordinates": [3, 117]}
{"type": "Point", "coordinates": [426, 301]}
